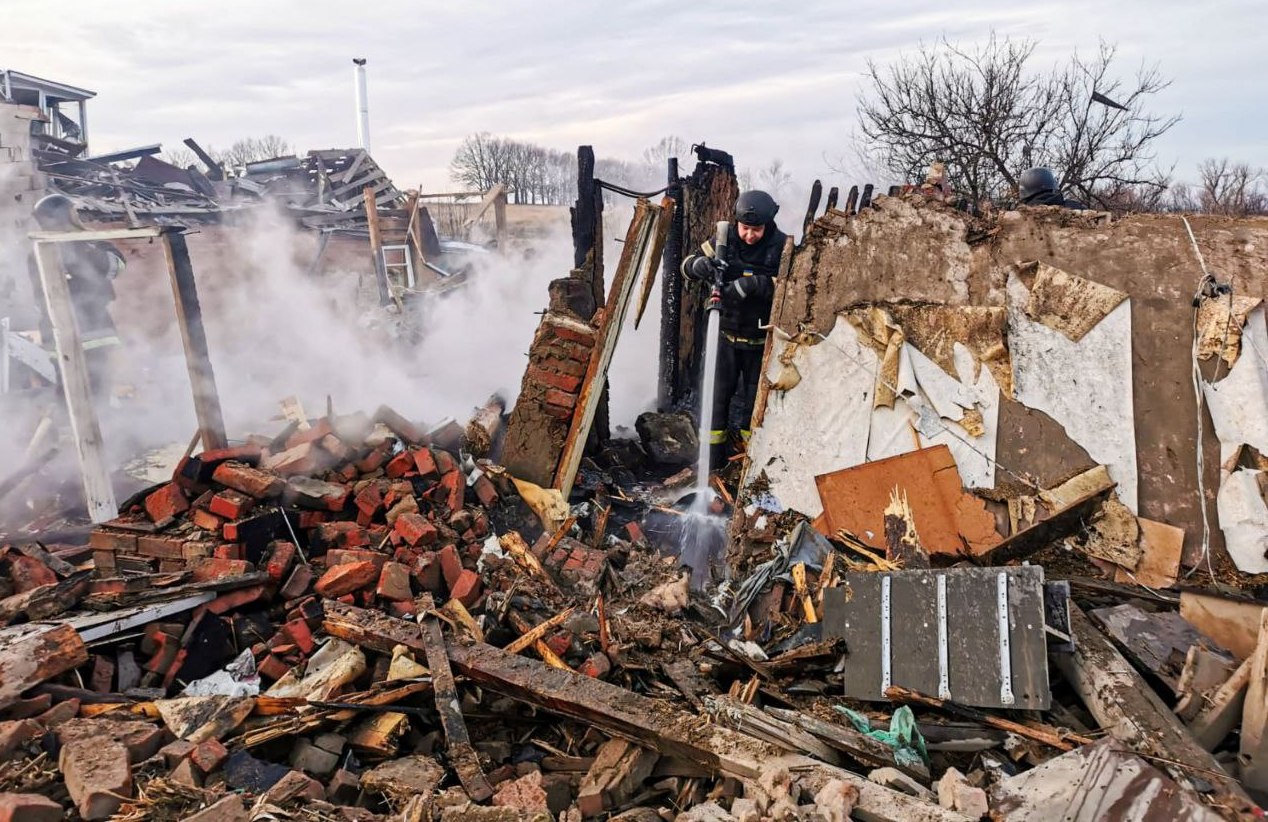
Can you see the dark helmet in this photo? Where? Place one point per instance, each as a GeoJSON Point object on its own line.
{"type": "Point", "coordinates": [56, 212]}
{"type": "Point", "coordinates": [1035, 181]}
{"type": "Point", "coordinates": [755, 208]}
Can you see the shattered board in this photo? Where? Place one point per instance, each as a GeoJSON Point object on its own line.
{"type": "Point", "coordinates": [938, 632]}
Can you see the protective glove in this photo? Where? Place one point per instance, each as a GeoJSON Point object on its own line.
{"type": "Point", "coordinates": [734, 291]}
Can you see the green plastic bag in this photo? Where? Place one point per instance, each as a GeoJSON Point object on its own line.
{"type": "Point", "coordinates": [903, 735]}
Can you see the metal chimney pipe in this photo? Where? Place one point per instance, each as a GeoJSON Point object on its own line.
{"type": "Point", "coordinates": [363, 103]}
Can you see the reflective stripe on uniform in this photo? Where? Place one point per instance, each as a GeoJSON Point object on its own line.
{"type": "Point", "coordinates": [717, 437]}
{"type": "Point", "coordinates": [745, 434]}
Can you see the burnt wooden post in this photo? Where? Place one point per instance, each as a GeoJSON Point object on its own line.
{"type": "Point", "coordinates": [376, 245]}
{"type": "Point", "coordinates": [816, 192]}
{"type": "Point", "coordinates": [587, 252]}
{"type": "Point", "coordinates": [189, 318]}
{"type": "Point", "coordinates": [671, 296]}
{"type": "Point", "coordinates": [832, 199]}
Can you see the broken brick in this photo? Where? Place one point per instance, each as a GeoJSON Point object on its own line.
{"type": "Point", "coordinates": [425, 464]}
{"type": "Point", "coordinates": [451, 488]}
{"type": "Point", "coordinates": [161, 547]}
{"type": "Point", "coordinates": [185, 774]}
{"type": "Point", "coordinates": [295, 785]}
{"type": "Point", "coordinates": [206, 520]}
{"type": "Point", "coordinates": [230, 550]}
{"type": "Point", "coordinates": [317, 494]}
{"type": "Point", "coordinates": [342, 556]}
{"type": "Point", "coordinates": [280, 558]}
{"type": "Point", "coordinates": [485, 492]}
{"type": "Point", "coordinates": [272, 668]}
{"type": "Point", "coordinates": [15, 734]}
{"type": "Point", "coordinates": [313, 433]}
{"type": "Point", "coordinates": [369, 500]}
{"type": "Point", "coordinates": [230, 600]}
{"type": "Point", "coordinates": [597, 665]}
{"type": "Point", "coordinates": [560, 399]}
{"type": "Point", "coordinates": [29, 573]}
{"type": "Point", "coordinates": [203, 570]}
{"type": "Point", "coordinates": [394, 582]}
{"type": "Point", "coordinates": [250, 481]}
{"type": "Point", "coordinates": [301, 635]}
{"type": "Point", "coordinates": [564, 382]}
{"type": "Point", "coordinates": [174, 752]}
{"type": "Point", "coordinates": [415, 529]}
{"type": "Point", "coordinates": [231, 505]}
{"type": "Point", "coordinates": [166, 503]}
{"type": "Point", "coordinates": [209, 755]}
{"type": "Point", "coordinates": [63, 711]}
{"type": "Point", "coordinates": [97, 775]}
{"type": "Point", "coordinates": [340, 535]}
{"type": "Point", "coordinates": [306, 458]}
{"type": "Point", "coordinates": [298, 583]}
{"type": "Point", "coordinates": [346, 578]}
{"type": "Point", "coordinates": [28, 807]}
{"type": "Point", "coordinates": [467, 589]}
{"type": "Point", "coordinates": [108, 540]}
{"type": "Point", "coordinates": [401, 465]}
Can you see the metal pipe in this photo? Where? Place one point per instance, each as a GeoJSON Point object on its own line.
{"type": "Point", "coordinates": [363, 103]}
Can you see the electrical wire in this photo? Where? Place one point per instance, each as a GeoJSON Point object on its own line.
{"type": "Point", "coordinates": [613, 187]}
{"type": "Point", "coordinates": [1196, 375]}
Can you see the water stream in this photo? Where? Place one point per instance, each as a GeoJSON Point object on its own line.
{"type": "Point", "coordinates": [704, 495]}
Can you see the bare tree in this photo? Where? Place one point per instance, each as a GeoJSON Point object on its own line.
{"type": "Point", "coordinates": [251, 150]}
{"type": "Point", "coordinates": [1232, 189]}
{"type": "Point", "coordinates": [988, 116]}
{"type": "Point", "coordinates": [181, 157]}
{"type": "Point", "coordinates": [774, 178]}
{"type": "Point", "coordinates": [657, 156]}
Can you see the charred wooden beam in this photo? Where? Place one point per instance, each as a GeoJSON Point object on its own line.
{"type": "Point", "coordinates": [816, 193]}
{"type": "Point", "coordinates": [189, 318]}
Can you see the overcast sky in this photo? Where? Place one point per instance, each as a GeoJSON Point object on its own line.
{"type": "Point", "coordinates": [762, 80]}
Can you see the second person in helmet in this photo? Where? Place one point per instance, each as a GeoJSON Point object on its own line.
{"type": "Point", "coordinates": [755, 245]}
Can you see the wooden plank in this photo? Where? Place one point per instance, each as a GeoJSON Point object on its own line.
{"type": "Point", "coordinates": [92, 627]}
{"type": "Point", "coordinates": [668, 205]}
{"type": "Point", "coordinates": [1159, 642]}
{"type": "Point", "coordinates": [189, 318]}
{"type": "Point", "coordinates": [35, 652]}
{"type": "Point", "coordinates": [1043, 533]}
{"type": "Point", "coordinates": [1217, 718]}
{"type": "Point", "coordinates": [376, 245]}
{"type": "Point", "coordinates": [98, 235]}
{"type": "Point", "coordinates": [76, 386]}
{"type": "Point", "coordinates": [1253, 750]}
{"type": "Point", "coordinates": [1233, 624]}
{"type": "Point", "coordinates": [490, 197]}
{"type": "Point", "coordinates": [1161, 546]}
{"type": "Point", "coordinates": [858, 746]}
{"type": "Point", "coordinates": [1044, 734]}
{"type": "Point", "coordinates": [638, 240]}
{"type": "Point", "coordinates": [623, 713]}
{"type": "Point", "coordinates": [460, 751]}
{"type": "Point", "coordinates": [1125, 706]}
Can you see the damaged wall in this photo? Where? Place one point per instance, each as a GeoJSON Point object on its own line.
{"type": "Point", "coordinates": [1071, 405]}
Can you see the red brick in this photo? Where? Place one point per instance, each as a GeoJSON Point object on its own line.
{"type": "Point", "coordinates": [571, 334]}
{"type": "Point", "coordinates": [426, 572]}
{"type": "Point", "coordinates": [97, 775]}
{"type": "Point", "coordinates": [415, 529]}
{"type": "Point", "coordinates": [374, 460]}
{"type": "Point", "coordinates": [298, 583]}
{"type": "Point", "coordinates": [346, 578]}
{"type": "Point", "coordinates": [248, 453]}
{"type": "Point", "coordinates": [199, 549]}
{"type": "Point", "coordinates": [564, 366]}
{"type": "Point", "coordinates": [450, 564]}
{"type": "Point", "coordinates": [232, 600]}
{"type": "Point", "coordinates": [425, 463]}
{"type": "Point", "coordinates": [560, 642]}
{"type": "Point", "coordinates": [561, 399]}
{"type": "Point", "coordinates": [174, 752]}
{"type": "Point", "coordinates": [311, 434]}
{"type": "Point", "coordinates": [369, 500]}
{"type": "Point", "coordinates": [485, 492]}
{"type": "Point", "coordinates": [311, 519]}
{"type": "Point", "coordinates": [635, 532]}
{"type": "Point", "coordinates": [272, 668]}
{"type": "Point", "coordinates": [340, 535]}
{"type": "Point", "coordinates": [450, 490]}
{"type": "Point", "coordinates": [216, 568]}
{"type": "Point", "coordinates": [248, 480]}
{"type": "Point", "coordinates": [104, 562]}
{"type": "Point", "coordinates": [107, 540]}
{"type": "Point", "coordinates": [444, 461]}
{"type": "Point", "coordinates": [161, 547]}
{"type": "Point", "coordinates": [295, 785]}
{"type": "Point", "coordinates": [231, 504]}
{"type": "Point", "coordinates": [564, 382]}
{"type": "Point", "coordinates": [597, 666]}
{"type": "Point", "coordinates": [63, 711]}
{"type": "Point", "coordinates": [394, 583]}
{"type": "Point", "coordinates": [558, 413]}
{"type": "Point", "coordinates": [27, 708]}
{"type": "Point", "coordinates": [403, 609]}
{"type": "Point", "coordinates": [402, 465]}
{"type": "Point", "coordinates": [343, 556]}
{"type": "Point", "coordinates": [165, 503]}
{"type": "Point", "coordinates": [306, 459]}
{"type": "Point", "coordinates": [281, 556]}
{"type": "Point", "coordinates": [230, 550]}
{"type": "Point", "coordinates": [468, 588]}
{"type": "Point", "coordinates": [209, 755]}
{"type": "Point", "coordinates": [206, 520]}
{"type": "Point", "coordinates": [29, 573]}
{"type": "Point", "coordinates": [301, 635]}
{"type": "Point", "coordinates": [28, 807]}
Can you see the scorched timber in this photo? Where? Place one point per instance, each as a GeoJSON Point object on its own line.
{"type": "Point", "coordinates": [623, 713]}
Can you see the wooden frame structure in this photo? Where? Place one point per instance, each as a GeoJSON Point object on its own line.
{"type": "Point", "coordinates": [76, 386]}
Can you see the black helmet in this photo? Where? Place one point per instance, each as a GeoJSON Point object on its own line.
{"type": "Point", "coordinates": [1035, 181]}
{"type": "Point", "coordinates": [755, 208]}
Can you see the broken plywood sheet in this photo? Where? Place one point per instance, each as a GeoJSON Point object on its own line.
{"type": "Point", "coordinates": [1068, 303]}
{"type": "Point", "coordinates": [1161, 546]}
{"type": "Point", "coordinates": [820, 425]}
{"type": "Point", "coordinates": [934, 408]}
{"type": "Point", "coordinates": [1243, 516]}
{"type": "Point", "coordinates": [962, 659]}
{"type": "Point", "coordinates": [1095, 782]}
{"type": "Point", "coordinates": [949, 520]}
{"type": "Point", "coordinates": [1159, 642]}
{"type": "Point", "coordinates": [1232, 623]}
{"type": "Point", "coordinates": [1220, 322]}
{"type": "Point", "coordinates": [938, 330]}
{"type": "Point", "coordinates": [1239, 402]}
{"type": "Point", "coordinates": [1086, 386]}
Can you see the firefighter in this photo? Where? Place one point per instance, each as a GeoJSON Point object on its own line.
{"type": "Point", "coordinates": [748, 285]}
